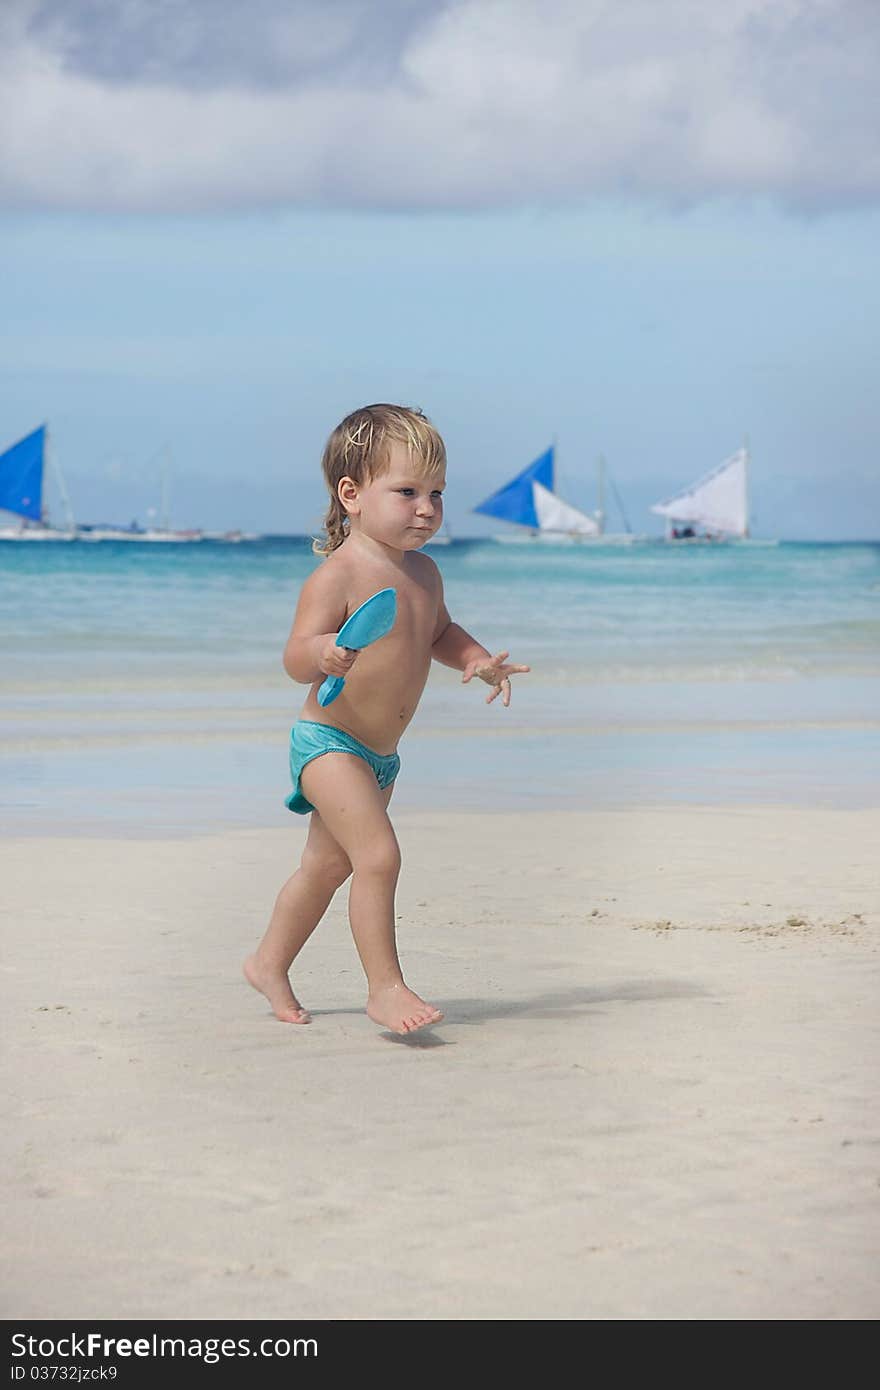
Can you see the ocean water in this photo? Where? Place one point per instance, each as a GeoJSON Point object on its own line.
{"type": "Point", "coordinates": [142, 691]}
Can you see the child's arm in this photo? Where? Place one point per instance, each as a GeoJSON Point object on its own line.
{"type": "Point", "coordinates": [311, 651]}
{"type": "Point", "coordinates": [456, 648]}
{"type": "Point", "coordinates": [453, 646]}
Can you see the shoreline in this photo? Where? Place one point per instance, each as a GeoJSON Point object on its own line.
{"type": "Point", "coordinates": [654, 1094]}
{"type": "Point", "coordinates": [183, 765]}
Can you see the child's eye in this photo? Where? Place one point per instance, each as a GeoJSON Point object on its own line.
{"type": "Point", "coordinates": [437, 493]}
{"type": "Point", "coordinates": [406, 491]}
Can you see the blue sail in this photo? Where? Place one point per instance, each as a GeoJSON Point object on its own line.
{"type": "Point", "coordinates": [21, 476]}
{"type": "Point", "coordinates": [516, 500]}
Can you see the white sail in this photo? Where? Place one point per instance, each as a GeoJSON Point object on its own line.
{"type": "Point", "coordinates": [719, 501]}
{"type": "Point", "coordinates": [555, 515]}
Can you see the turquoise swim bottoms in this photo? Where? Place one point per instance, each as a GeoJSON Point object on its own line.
{"type": "Point", "coordinates": [309, 740]}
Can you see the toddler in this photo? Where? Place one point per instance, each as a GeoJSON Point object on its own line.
{"type": "Point", "coordinates": [385, 468]}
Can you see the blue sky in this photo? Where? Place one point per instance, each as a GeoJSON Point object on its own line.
{"type": "Point", "coordinates": [513, 282]}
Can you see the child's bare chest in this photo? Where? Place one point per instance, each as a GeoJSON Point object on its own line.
{"type": "Point", "coordinates": [416, 617]}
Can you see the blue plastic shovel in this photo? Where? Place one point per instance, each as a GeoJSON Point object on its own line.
{"type": "Point", "coordinates": [367, 624]}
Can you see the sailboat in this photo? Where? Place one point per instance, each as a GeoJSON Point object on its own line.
{"type": "Point", "coordinates": [715, 507]}
{"type": "Point", "coordinates": [22, 472]}
{"type": "Point", "coordinates": [530, 501]}
{"type": "Point", "coordinates": [624, 537]}
{"type": "Point", "coordinates": [164, 531]}
{"type": "Point", "coordinates": [135, 532]}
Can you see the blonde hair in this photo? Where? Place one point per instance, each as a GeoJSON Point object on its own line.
{"type": "Point", "coordinates": [359, 448]}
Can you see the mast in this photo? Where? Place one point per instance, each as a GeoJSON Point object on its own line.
{"type": "Point", "coordinates": [746, 532]}
{"type": "Point", "coordinates": [600, 496]}
{"type": "Point", "coordinates": [164, 521]}
{"type": "Point", "coordinates": [620, 507]}
{"type": "Point", "coordinates": [54, 468]}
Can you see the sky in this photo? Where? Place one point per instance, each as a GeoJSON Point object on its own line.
{"type": "Point", "coordinates": [644, 229]}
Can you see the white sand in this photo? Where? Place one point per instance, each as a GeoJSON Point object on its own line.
{"type": "Point", "coordinates": [655, 1095]}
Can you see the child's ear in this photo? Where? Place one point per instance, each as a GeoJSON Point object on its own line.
{"type": "Point", "coordinates": [347, 492]}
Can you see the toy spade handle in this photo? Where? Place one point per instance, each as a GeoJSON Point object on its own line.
{"type": "Point", "coordinates": [329, 690]}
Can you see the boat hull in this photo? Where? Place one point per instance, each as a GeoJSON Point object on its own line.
{"type": "Point", "coordinates": [28, 533]}
{"type": "Point", "coordinates": [561, 538]}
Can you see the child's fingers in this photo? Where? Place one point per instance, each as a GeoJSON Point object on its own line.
{"type": "Point", "coordinates": [495, 673]}
{"type": "Point", "coordinates": [339, 661]}
{"type": "Point", "coordinates": [503, 690]}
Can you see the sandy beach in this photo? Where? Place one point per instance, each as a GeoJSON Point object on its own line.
{"type": "Point", "coordinates": [654, 1096]}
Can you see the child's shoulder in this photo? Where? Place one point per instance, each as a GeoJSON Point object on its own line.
{"type": "Point", "coordinates": [326, 571]}
{"type": "Point", "coordinates": [328, 580]}
{"type": "Point", "coordinates": [424, 566]}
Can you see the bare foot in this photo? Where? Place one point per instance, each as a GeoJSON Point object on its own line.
{"type": "Point", "coordinates": [397, 1008]}
{"type": "Point", "coordinates": [276, 987]}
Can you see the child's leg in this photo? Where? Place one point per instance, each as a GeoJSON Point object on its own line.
{"type": "Point", "coordinates": [353, 809]}
{"type": "Point", "coordinates": [298, 909]}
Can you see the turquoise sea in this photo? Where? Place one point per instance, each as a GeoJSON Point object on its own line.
{"type": "Point", "coordinates": [142, 690]}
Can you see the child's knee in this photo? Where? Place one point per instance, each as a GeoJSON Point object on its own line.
{"type": "Point", "coordinates": [380, 857]}
{"type": "Point", "coordinates": [331, 866]}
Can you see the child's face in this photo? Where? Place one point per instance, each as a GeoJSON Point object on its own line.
{"type": "Point", "coordinates": [402, 507]}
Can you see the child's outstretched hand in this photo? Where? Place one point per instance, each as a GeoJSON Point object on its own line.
{"type": "Point", "coordinates": [495, 672]}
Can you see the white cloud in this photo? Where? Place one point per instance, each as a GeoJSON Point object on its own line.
{"type": "Point", "coordinates": [175, 105]}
